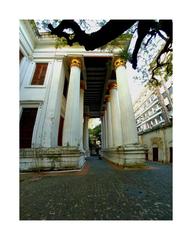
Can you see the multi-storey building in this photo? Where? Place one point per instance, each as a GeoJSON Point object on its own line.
{"type": "Point", "coordinates": [153, 113]}
{"type": "Point", "coordinates": [154, 107]}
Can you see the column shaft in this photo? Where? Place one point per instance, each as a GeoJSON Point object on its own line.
{"type": "Point", "coordinates": [81, 116]}
{"type": "Point", "coordinates": [109, 125]}
{"type": "Point", "coordinates": [106, 130]}
{"type": "Point", "coordinates": [116, 117]}
{"type": "Point", "coordinates": [102, 133]}
{"type": "Point", "coordinates": [71, 132]}
{"type": "Point", "coordinates": [129, 131]}
{"type": "Point", "coordinates": [25, 63]}
{"type": "Point", "coordinates": [86, 134]}
{"type": "Point", "coordinates": [53, 106]}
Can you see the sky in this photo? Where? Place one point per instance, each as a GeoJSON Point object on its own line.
{"type": "Point", "coordinates": [135, 85]}
{"type": "Point", "coordinates": [92, 25]}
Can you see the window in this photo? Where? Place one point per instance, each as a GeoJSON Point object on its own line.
{"type": "Point", "coordinates": [158, 108]}
{"type": "Point", "coordinates": [39, 75]}
{"type": "Point", "coordinates": [170, 89]}
{"type": "Point", "coordinates": [20, 55]}
{"type": "Point", "coordinates": [164, 94]}
{"type": "Point", "coordinates": [169, 108]}
{"type": "Point", "coordinates": [152, 98]}
{"type": "Point", "coordinates": [156, 122]}
{"type": "Point", "coordinates": [161, 117]}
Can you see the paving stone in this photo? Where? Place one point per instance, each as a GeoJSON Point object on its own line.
{"type": "Point", "coordinates": [100, 192]}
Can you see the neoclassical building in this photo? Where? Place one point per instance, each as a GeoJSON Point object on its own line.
{"type": "Point", "coordinates": [60, 89]}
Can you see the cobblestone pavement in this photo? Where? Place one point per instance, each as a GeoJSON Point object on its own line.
{"type": "Point", "coordinates": [101, 191]}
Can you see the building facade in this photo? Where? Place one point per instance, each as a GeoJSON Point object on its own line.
{"type": "Point", "coordinates": [60, 89]}
{"type": "Point", "coordinates": [154, 113]}
{"type": "Point", "coordinates": [154, 108]}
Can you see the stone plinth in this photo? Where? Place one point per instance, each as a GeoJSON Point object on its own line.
{"type": "Point", "coordinates": [87, 153]}
{"type": "Point", "coordinates": [126, 156]}
{"type": "Point", "coordinates": [49, 159]}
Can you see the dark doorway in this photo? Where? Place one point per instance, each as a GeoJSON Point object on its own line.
{"type": "Point", "coordinates": [27, 123]}
{"type": "Point", "coordinates": [146, 156]}
{"type": "Point", "coordinates": [171, 154]}
{"type": "Point", "coordinates": [60, 134]}
{"type": "Point", "coordinates": [155, 154]}
{"type": "Point", "coordinates": [20, 55]}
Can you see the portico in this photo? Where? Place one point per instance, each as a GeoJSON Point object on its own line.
{"type": "Point", "coordinates": [124, 148]}
{"type": "Point", "coordinates": [72, 86]}
{"type": "Point", "coordinates": [92, 92]}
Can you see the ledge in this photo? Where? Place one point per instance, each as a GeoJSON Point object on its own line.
{"type": "Point", "coordinates": [46, 159]}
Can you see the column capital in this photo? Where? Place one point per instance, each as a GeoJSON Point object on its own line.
{"type": "Point", "coordinates": [119, 62]}
{"type": "Point", "coordinates": [107, 98]}
{"type": "Point", "coordinates": [75, 62]}
{"type": "Point", "coordinates": [112, 85]}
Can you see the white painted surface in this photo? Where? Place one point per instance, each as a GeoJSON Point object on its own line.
{"type": "Point", "coordinates": [102, 133]}
{"type": "Point", "coordinates": [81, 116]}
{"type": "Point", "coordinates": [160, 138]}
{"type": "Point", "coordinates": [71, 133]}
{"type": "Point", "coordinates": [129, 131]}
{"type": "Point", "coordinates": [53, 106]}
{"type": "Point", "coordinates": [106, 130]}
{"type": "Point", "coordinates": [86, 134]}
{"type": "Point", "coordinates": [23, 69]}
{"type": "Point", "coordinates": [109, 125]}
{"type": "Point", "coordinates": [116, 118]}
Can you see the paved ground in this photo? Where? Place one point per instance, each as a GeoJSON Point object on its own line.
{"type": "Point", "coordinates": [100, 192]}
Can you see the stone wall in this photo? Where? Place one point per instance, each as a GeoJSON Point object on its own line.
{"type": "Point", "coordinates": [126, 156]}
{"type": "Point", "coordinates": [160, 138]}
{"type": "Point", "coordinates": [48, 159]}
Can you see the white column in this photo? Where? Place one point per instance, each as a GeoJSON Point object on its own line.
{"type": "Point", "coordinates": [53, 106]}
{"type": "Point", "coordinates": [86, 133]}
{"type": "Point", "coordinates": [81, 113]}
{"type": "Point", "coordinates": [109, 123]}
{"type": "Point", "coordinates": [71, 132]}
{"type": "Point", "coordinates": [129, 131]}
{"type": "Point", "coordinates": [102, 133]}
{"type": "Point", "coordinates": [115, 116]}
{"type": "Point", "coordinates": [25, 63]}
{"type": "Point", "coordinates": [106, 130]}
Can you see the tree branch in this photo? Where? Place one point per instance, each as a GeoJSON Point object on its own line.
{"type": "Point", "coordinates": [108, 32]}
{"type": "Point", "coordinates": [111, 30]}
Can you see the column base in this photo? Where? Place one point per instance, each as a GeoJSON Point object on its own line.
{"type": "Point", "coordinates": [50, 159]}
{"type": "Point", "coordinates": [87, 153]}
{"type": "Point", "coordinates": [126, 156]}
